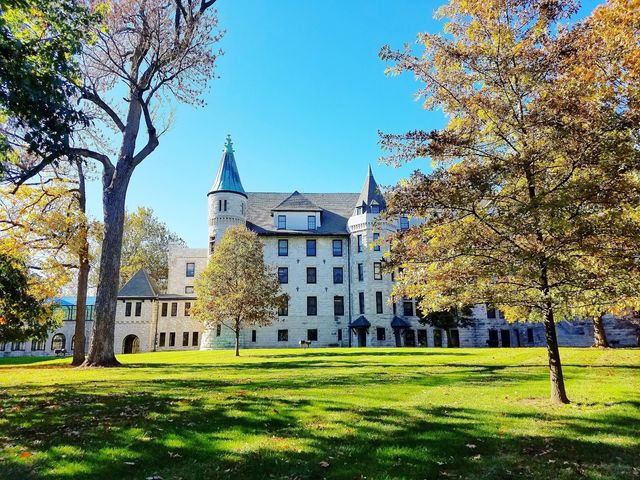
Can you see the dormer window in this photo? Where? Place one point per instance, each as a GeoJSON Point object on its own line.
{"type": "Point", "coordinates": [282, 222]}
{"type": "Point", "coordinates": [375, 209]}
{"type": "Point", "coordinates": [311, 222]}
{"type": "Point", "coordinates": [361, 209]}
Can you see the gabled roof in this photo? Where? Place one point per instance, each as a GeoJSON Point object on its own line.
{"type": "Point", "coordinates": [228, 178]}
{"type": "Point", "coordinates": [360, 322]}
{"type": "Point", "coordinates": [139, 286]}
{"type": "Point", "coordinates": [336, 210]}
{"type": "Point", "coordinates": [297, 202]}
{"type": "Point", "coordinates": [398, 322]}
{"type": "Point", "coordinates": [371, 193]}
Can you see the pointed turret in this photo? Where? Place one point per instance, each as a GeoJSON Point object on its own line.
{"type": "Point", "coordinates": [228, 178]}
{"type": "Point", "coordinates": [370, 196]}
{"type": "Point", "coordinates": [227, 198]}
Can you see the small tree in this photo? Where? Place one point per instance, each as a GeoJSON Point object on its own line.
{"type": "Point", "coordinates": [237, 289]}
{"type": "Point", "coordinates": [447, 319]}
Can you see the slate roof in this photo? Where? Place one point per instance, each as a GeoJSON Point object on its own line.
{"type": "Point", "coordinates": [71, 301]}
{"type": "Point", "coordinates": [336, 208]}
{"type": "Point", "coordinates": [297, 202]}
{"type": "Point", "coordinates": [139, 286]}
{"type": "Point", "coordinates": [371, 193]}
{"type": "Point", "coordinates": [228, 178]}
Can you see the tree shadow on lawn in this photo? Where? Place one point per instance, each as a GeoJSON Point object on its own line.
{"type": "Point", "coordinates": [81, 434]}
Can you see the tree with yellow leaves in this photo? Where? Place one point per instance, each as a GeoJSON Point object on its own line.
{"type": "Point", "coordinates": [531, 173]}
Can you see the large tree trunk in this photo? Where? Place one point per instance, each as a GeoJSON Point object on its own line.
{"type": "Point", "coordinates": [558, 392]}
{"type": "Point", "coordinates": [599, 334]}
{"type": "Point", "coordinates": [101, 350]}
{"type": "Point", "coordinates": [83, 275]}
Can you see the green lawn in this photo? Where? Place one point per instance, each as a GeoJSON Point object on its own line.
{"type": "Point", "coordinates": [326, 413]}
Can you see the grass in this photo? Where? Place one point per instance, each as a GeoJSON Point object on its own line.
{"type": "Point", "coordinates": [330, 413]}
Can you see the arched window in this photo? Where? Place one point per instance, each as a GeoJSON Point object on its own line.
{"type": "Point", "coordinates": [58, 341]}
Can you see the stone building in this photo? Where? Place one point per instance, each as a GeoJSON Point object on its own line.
{"type": "Point", "coordinates": [323, 246]}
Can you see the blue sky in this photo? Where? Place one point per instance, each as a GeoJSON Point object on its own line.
{"type": "Point", "coordinates": [302, 93]}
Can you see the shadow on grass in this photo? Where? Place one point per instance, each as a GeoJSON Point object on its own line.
{"type": "Point", "coordinates": [172, 430]}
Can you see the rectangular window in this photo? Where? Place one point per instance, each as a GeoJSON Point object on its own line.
{"type": "Point", "coordinates": [283, 248]}
{"type": "Point", "coordinates": [174, 309]}
{"type": "Point", "coordinates": [394, 306]}
{"type": "Point", "coordinates": [163, 339]}
{"type": "Point", "coordinates": [283, 275]}
{"type": "Point", "coordinates": [338, 275]}
{"type": "Point", "coordinates": [311, 248]}
{"type": "Point", "coordinates": [339, 334]}
{"type": "Point", "coordinates": [254, 335]}
{"type": "Point", "coordinates": [165, 307]}
{"type": "Point", "coordinates": [530, 335]}
{"type": "Point", "coordinates": [377, 271]}
{"type": "Point", "coordinates": [283, 335]}
{"type": "Point", "coordinates": [437, 338]}
{"type": "Point", "coordinates": [338, 306]}
{"type": "Point", "coordinates": [218, 330]}
{"type": "Point", "coordinates": [375, 208]}
{"type": "Point", "coordinates": [312, 306]}
{"type": "Point", "coordinates": [187, 309]}
{"type": "Point", "coordinates": [360, 272]}
{"type": "Point", "coordinates": [127, 309]}
{"type": "Point", "coordinates": [337, 248]}
{"type": "Point", "coordinates": [381, 334]}
{"type": "Point", "coordinates": [219, 205]}
{"type": "Point", "coordinates": [138, 309]}
{"type": "Point", "coordinates": [491, 312]}
{"type": "Point", "coordinates": [311, 222]}
{"type": "Point", "coordinates": [407, 308]}
{"type": "Point", "coordinates": [404, 223]}
{"type": "Point", "coordinates": [191, 269]}
{"type": "Point", "coordinates": [17, 346]}
{"type": "Point", "coordinates": [36, 345]}
{"type": "Point", "coordinates": [225, 205]}
{"type": "Point", "coordinates": [378, 302]}
{"type": "Point", "coordinates": [312, 334]}
{"type": "Point", "coordinates": [188, 289]}
{"type": "Point", "coordinates": [282, 222]}
{"type": "Point", "coordinates": [185, 339]}
{"type": "Point", "coordinates": [361, 303]}
{"type": "Point", "coordinates": [284, 311]}
{"type": "Point", "coordinates": [376, 237]}
{"type": "Point", "coordinates": [194, 339]}
{"type": "Point", "coordinates": [172, 339]}
{"type": "Point", "coordinates": [311, 275]}
{"type": "Point", "coordinates": [422, 338]}
{"type": "Point", "coordinates": [359, 243]}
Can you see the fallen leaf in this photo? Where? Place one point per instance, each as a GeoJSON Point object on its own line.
{"type": "Point", "coordinates": [25, 454]}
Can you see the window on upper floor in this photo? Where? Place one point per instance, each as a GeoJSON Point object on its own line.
{"type": "Point", "coordinates": [188, 289]}
{"type": "Point", "coordinates": [337, 248]}
{"type": "Point", "coordinates": [312, 275]}
{"type": "Point", "coordinates": [360, 272]}
{"type": "Point", "coordinates": [283, 248]}
{"type": "Point", "coordinates": [191, 269]}
{"type": "Point", "coordinates": [407, 308]}
{"type": "Point", "coordinates": [283, 275]}
{"type": "Point", "coordinates": [359, 238]}
{"type": "Point", "coordinates": [127, 309]}
{"type": "Point", "coordinates": [312, 306]}
{"type": "Point", "coordinates": [187, 309]}
{"type": "Point", "coordinates": [218, 330]}
{"type": "Point", "coordinates": [361, 303]}
{"type": "Point", "coordinates": [311, 222]}
{"type": "Point", "coordinates": [219, 205]}
{"type": "Point", "coordinates": [491, 312]}
{"type": "Point", "coordinates": [338, 275]}
{"type": "Point", "coordinates": [138, 310]}
{"type": "Point", "coordinates": [378, 302]}
{"type": "Point", "coordinates": [174, 309]}
{"type": "Point", "coordinates": [225, 205]}
{"type": "Point", "coordinates": [376, 237]}
{"type": "Point", "coordinates": [164, 309]}
{"type": "Point", "coordinates": [311, 248]}
{"type": "Point", "coordinates": [404, 223]}
{"type": "Point", "coordinates": [282, 222]}
{"type": "Point", "coordinates": [377, 271]}
{"type": "Point", "coordinates": [338, 305]}
{"type": "Point", "coordinates": [375, 209]}
{"type": "Point", "coordinates": [283, 311]}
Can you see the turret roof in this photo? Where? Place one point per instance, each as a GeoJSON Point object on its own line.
{"type": "Point", "coordinates": [228, 178]}
{"type": "Point", "coordinates": [370, 193]}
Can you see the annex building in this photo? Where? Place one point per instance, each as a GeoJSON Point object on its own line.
{"type": "Point", "coordinates": [322, 246]}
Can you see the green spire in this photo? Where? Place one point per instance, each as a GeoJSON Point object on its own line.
{"type": "Point", "coordinates": [229, 145]}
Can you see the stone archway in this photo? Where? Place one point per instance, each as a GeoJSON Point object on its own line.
{"type": "Point", "coordinates": [131, 344]}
